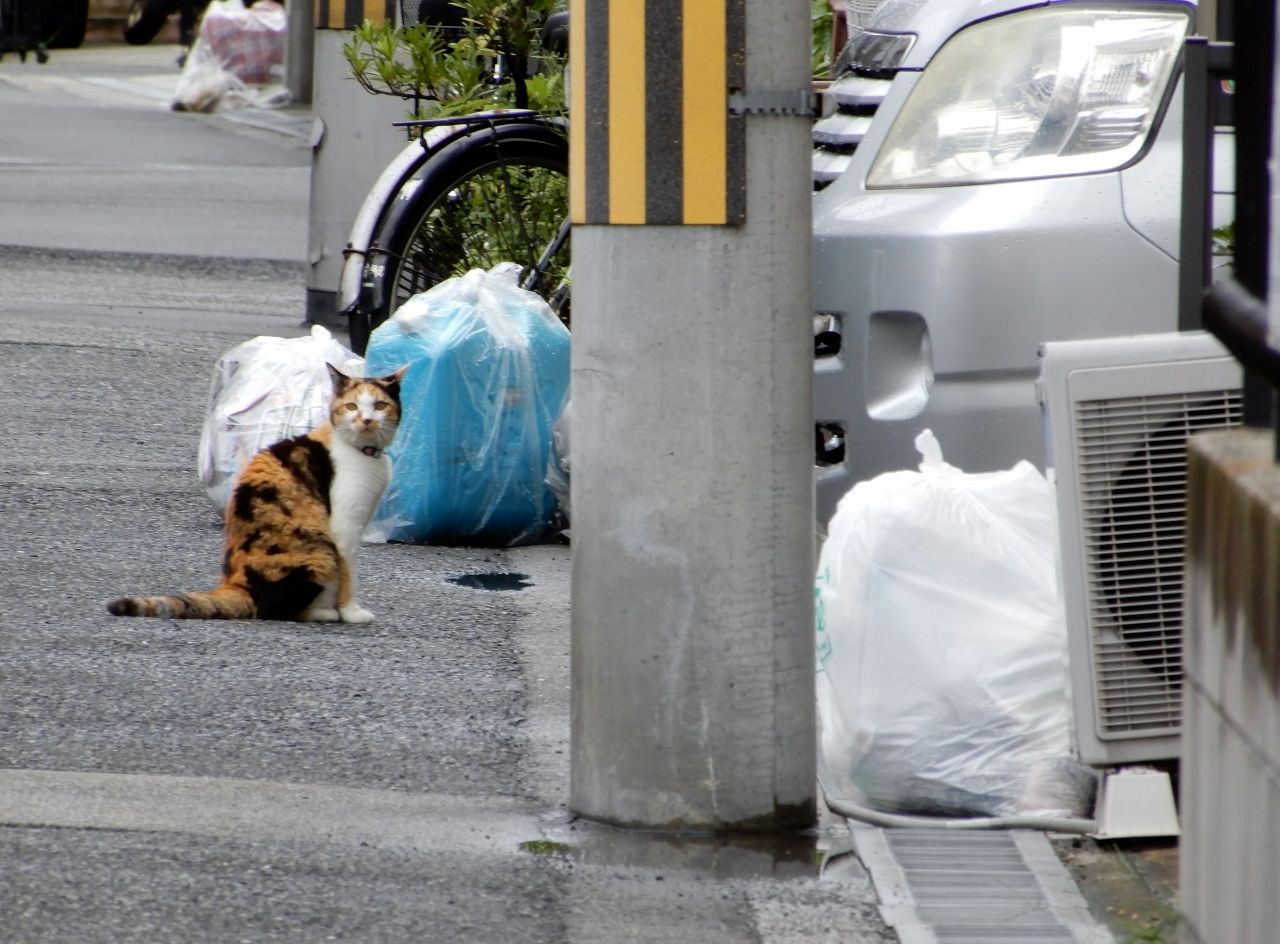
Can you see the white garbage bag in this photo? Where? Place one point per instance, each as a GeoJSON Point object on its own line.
{"type": "Point", "coordinates": [941, 647]}
{"type": "Point", "coordinates": [265, 390]}
{"type": "Point", "coordinates": [238, 52]}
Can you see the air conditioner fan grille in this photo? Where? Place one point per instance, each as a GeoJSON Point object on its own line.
{"type": "Point", "coordinates": [1131, 462]}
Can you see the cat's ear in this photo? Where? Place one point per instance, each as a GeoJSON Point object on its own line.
{"type": "Point", "coordinates": [393, 380]}
{"type": "Point", "coordinates": [338, 377]}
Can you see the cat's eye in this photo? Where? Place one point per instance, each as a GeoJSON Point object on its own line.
{"type": "Point", "coordinates": [381, 405]}
{"type": "Point", "coordinates": [350, 407]}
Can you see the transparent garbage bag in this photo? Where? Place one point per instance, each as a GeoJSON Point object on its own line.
{"type": "Point", "coordinates": [558, 463]}
{"type": "Point", "coordinates": [264, 390]}
{"type": "Point", "coordinates": [237, 47]}
{"type": "Point", "coordinates": [488, 376]}
{"type": "Point", "coordinates": [941, 647]}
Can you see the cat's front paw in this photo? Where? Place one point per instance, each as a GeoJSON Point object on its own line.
{"type": "Point", "coordinates": [355, 613]}
{"type": "Point", "coordinates": [321, 615]}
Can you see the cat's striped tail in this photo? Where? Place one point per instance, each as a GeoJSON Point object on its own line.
{"type": "Point", "coordinates": [222, 603]}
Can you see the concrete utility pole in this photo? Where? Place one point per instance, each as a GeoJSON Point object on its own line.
{"type": "Point", "coordinates": [299, 54]}
{"type": "Point", "coordinates": [693, 514]}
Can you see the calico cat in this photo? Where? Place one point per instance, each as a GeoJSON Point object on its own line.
{"type": "Point", "coordinates": [296, 515]}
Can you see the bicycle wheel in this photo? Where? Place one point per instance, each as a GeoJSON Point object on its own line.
{"type": "Point", "coordinates": [498, 194]}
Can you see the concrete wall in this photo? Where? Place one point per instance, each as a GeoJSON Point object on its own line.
{"type": "Point", "coordinates": [355, 140]}
{"type": "Point", "coordinates": [1230, 779]}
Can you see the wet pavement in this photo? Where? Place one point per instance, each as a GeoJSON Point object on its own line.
{"type": "Point", "coordinates": [1131, 886]}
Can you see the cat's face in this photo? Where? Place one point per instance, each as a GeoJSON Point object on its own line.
{"type": "Point", "coordinates": [366, 412]}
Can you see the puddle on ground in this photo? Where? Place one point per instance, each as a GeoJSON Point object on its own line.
{"type": "Point", "coordinates": [737, 855]}
{"type": "Point", "coordinates": [492, 581]}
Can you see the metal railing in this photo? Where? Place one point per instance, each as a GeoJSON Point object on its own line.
{"type": "Point", "coordinates": [1230, 85]}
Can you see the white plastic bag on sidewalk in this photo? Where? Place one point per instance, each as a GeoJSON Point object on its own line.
{"type": "Point", "coordinates": [942, 680]}
{"type": "Point", "coordinates": [237, 47]}
{"type": "Point", "coordinates": [265, 390]}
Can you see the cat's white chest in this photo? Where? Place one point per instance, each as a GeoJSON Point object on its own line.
{"type": "Point", "coordinates": [358, 484]}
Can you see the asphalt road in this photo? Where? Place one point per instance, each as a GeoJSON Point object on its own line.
{"type": "Point", "coordinates": [136, 245]}
{"type": "Point", "coordinates": [401, 781]}
{"type": "Point", "coordinates": [93, 158]}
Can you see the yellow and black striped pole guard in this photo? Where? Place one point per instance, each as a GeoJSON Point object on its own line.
{"type": "Point", "coordinates": [652, 140]}
{"type": "Point", "coordinates": [348, 14]}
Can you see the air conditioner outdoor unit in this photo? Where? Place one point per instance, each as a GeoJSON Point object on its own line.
{"type": "Point", "coordinates": [1119, 412]}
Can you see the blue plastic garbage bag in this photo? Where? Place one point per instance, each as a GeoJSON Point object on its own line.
{"type": "Point", "coordinates": [488, 376]}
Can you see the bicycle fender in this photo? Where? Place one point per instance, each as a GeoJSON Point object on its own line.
{"type": "Point", "coordinates": [380, 197]}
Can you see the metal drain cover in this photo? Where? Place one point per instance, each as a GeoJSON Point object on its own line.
{"type": "Point", "coordinates": [939, 886]}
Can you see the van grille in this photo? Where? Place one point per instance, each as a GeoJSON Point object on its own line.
{"type": "Point", "coordinates": [851, 99]}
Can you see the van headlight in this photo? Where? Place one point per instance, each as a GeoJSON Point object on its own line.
{"type": "Point", "coordinates": [1069, 89]}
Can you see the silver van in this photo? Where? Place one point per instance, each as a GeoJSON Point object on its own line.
{"type": "Point", "coordinates": [990, 175]}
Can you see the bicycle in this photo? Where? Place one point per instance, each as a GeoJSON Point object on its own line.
{"type": "Point", "coordinates": [470, 192]}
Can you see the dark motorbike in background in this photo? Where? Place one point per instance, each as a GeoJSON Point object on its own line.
{"type": "Point", "coordinates": [31, 26]}
{"type": "Point", "coordinates": [148, 17]}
